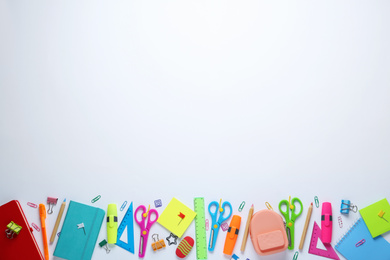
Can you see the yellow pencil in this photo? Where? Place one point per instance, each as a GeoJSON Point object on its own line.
{"type": "Point", "coordinates": [248, 221]}
{"type": "Point", "coordinates": [53, 235]}
{"type": "Point", "coordinates": [306, 226]}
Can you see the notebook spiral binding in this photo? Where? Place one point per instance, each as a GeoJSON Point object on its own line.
{"type": "Point", "coordinates": [357, 221]}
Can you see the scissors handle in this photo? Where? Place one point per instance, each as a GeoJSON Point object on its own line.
{"type": "Point", "coordinates": [141, 222]}
{"type": "Point", "coordinates": [221, 217]}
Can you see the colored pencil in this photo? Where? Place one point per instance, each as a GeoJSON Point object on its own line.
{"type": "Point", "coordinates": [303, 237]}
{"type": "Point", "coordinates": [248, 221]}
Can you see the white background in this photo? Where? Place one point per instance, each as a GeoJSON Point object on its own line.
{"type": "Point", "coordinates": [239, 100]}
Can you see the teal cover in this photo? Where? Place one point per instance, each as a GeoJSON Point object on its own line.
{"type": "Point", "coordinates": [72, 243]}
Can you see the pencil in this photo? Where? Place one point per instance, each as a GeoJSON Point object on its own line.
{"type": "Point", "coordinates": [248, 221]}
{"type": "Point", "coordinates": [306, 226]}
{"type": "Point", "coordinates": [53, 235]}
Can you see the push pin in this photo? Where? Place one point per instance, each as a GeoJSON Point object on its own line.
{"type": "Point", "coordinates": [182, 216]}
{"type": "Point", "coordinates": [157, 243]}
{"type": "Point", "coordinates": [346, 206]}
{"type": "Point", "coordinates": [235, 257]}
{"type": "Point", "coordinates": [380, 214]}
{"type": "Point", "coordinates": [81, 225]}
{"type": "Point", "coordinates": [104, 245]}
{"type": "Point", "coordinates": [12, 229]}
{"type": "Point", "coordinates": [52, 202]}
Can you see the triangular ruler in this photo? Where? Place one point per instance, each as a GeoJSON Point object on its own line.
{"type": "Point", "coordinates": [329, 252]}
{"type": "Point", "coordinates": [128, 222]}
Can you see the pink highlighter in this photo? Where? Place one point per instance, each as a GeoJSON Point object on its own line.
{"type": "Point", "coordinates": [326, 223]}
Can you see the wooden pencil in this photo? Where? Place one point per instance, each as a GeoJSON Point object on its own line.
{"type": "Point", "coordinates": [248, 221]}
{"type": "Point", "coordinates": [303, 237]}
{"type": "Point", "coordinates": [53, 235]}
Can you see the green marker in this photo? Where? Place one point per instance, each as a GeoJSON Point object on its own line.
{"type": "Point", "coordinates": [112, 223]}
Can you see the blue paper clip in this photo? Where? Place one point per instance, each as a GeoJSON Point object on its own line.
{"type": "Point", "coordinates": [123, 205]}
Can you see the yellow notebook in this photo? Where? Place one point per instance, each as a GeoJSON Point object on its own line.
{"type": "Point", "coordinates": [176, 217]}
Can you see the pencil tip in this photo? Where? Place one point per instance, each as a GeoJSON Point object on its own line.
{"type": "Point", "coordinates": [65, 200]}
{"type": "Point", "coordinates": [252, 205]}
{"type": "Point", "coordinates": [312, 203]}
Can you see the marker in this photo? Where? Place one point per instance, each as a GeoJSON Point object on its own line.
{"type": "Point", "coordinates": [232, 234]}
{"type": "Point", "coordinates": [326, 223]}
{"type": "Point", "coordinates": [42, 216]}
{"type": "Point", "coordinates": [112, 223]}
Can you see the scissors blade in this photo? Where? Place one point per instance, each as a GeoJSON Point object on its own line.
{"type": "Point", "coordinates": [141, 246]}
{"type": "Point", "coordinates": [212, 238]}
{"type": "Point", "coordinates": [289, 236]}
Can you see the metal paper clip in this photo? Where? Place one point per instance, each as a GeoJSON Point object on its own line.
{"type": "Point", "coordinates": [123, 205]}
{"type": "Point", "coordinates": [96, 199]}
{"type": "Point", "coordinates": [32, 205]}
{"type": "Point", "coordinates": [36, 227]}
{"type": "Point", "coordinates": [296, 255]}
{"type": "Point", "coordinates": [346, 206]}
{"type": "Point", "coordinates": [52, 202]}
{"type": "Point", "coordinates": [340, 222]}
{"type": "Point", "coordinates": [225, 226]}
{"type": "Point", "coordinates": [104, 245]}
{"type": "Point", "coordinates": [316, 201]}
{"type": "Point", "coordinates": [58, 234]}
{"type": "Point", "coordinates": [361, 242]}
{"type": "Point", "coordinates": [241, 206]}
{"type": "Point", "coordinates": [268, 206]}
{"type": "Point", "coordinates": [12, 229]}
{"type": "Point", "coordinates": [158, 203]}
{"type": "Point", "coordinates": [157, 243]}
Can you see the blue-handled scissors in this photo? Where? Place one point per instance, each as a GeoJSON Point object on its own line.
{"type": "Point", "coordinates": [217, 223]}
{"type": "Point", "coordinates": [290, 220]}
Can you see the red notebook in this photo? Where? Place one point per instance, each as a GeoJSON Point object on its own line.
{"type": "Point", "coordinates": [22, 246]}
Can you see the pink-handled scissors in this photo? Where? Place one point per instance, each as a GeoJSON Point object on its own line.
{"type": "Point", "coordinates": [144, 228]}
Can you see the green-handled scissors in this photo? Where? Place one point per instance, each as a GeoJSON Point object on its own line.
{"type": "Point", "coordinates": [290, 220]}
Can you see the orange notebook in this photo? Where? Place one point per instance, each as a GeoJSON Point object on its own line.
{"type": "Point", "coordinates": [23, 245]}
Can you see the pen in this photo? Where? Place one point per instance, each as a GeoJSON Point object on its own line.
{"type": "Point", "coordinates": [42, 216]}
{"type": "Point", "coordinates": [303, 237]}
{"type": "Point", "coordinates": [53, 235]}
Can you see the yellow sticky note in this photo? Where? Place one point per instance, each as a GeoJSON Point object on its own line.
{"type": "Point", "coordinates": [172, 217]}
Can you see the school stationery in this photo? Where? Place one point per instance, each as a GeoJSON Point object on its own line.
{"type": "Point", "coordinates": [358, 244]}
{"type": "Point", "coordinates": [176, 217]}
{"type": "Point", "coordinates": [145, 227]}
{"type": "Point", "coordinates": [216, 222]}
{"type": "Point", "coordinates": [112, 223]}
{"type": "Point", "coordinates": [42, 216]}
{"type": "Point", "coordinates": [157, 243]}
{"type": "Point", "coordinates": [268, 233]}
{"type": "Point", "coordinates": [231, 235]}
{"type": "Point", "coordinates": [248, 221]}
{"type": "Point", "coordinates": [346, 206]}
{"type": "Point", "coordinates": [303, 237]}
{"type": "Point", "coordinates": [51, 202]}
{"type": "Point", "coordinates": [329, 252]}
{"type": "Point", "coordinates": [104, 245]}
{"type": "Point", "coordinates": [73, 243]}
{"type": "Point", "coordinates": [185, 247]}
{"type": "Point", "coordinates": [127, 222]}
{"type": "Point", "coordinates": [53, 234]}
{"type": "Point", "coordinates": [290, 220]}
{"type": "Point", "coordinates": [22, 245]}
{"type": "Point", "coordinates": [326, 222]}
{"type": "Point", "coordinates": [12, 230]}
{"type": "Point", "coordinates": [377, 217]}
{"type": "Point", "coordinates": [200, 229]}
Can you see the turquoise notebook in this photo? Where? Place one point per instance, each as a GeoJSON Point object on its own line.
{"type": "Point", "coordinates": [370, 248]}
{"type": "Point", "coordinates": [76, 242]}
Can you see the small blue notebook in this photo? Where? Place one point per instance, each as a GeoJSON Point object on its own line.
{"type": "Point", "coordinates": [75, 242]}
{"type": "Point", "coordinates": [371, 248]}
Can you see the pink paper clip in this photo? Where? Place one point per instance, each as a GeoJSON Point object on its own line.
{"type": "Point", "coordinates": [52, 202]}
{"type": "Point", "coordinates": [225, 226]}
{"type": "Point", "coordinates": [340, 222]}
{"type": "Point", "coordinates": [36, 227]}
{"type": "Point", "coordinates": [207, 225]}
{"type": "Point", "coordinates": [32, 205]}
{"type": "Point", "coordinates": [361, 242]}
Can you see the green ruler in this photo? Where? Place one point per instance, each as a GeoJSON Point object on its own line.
{"type": "Point", "coordinates": [200, 229]}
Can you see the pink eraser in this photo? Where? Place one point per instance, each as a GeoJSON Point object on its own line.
{"type": "Point", "coordinates": [326, 223]}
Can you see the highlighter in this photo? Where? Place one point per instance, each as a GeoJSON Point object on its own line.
{"type": "Point", "coordinates": [112, 223]}
{"type": "Point", "coordinates": [231, 235]}
{"type": "Point", "coordinates": [42, 216]}
{"type": "Point", "coordinates": [326, 223]}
